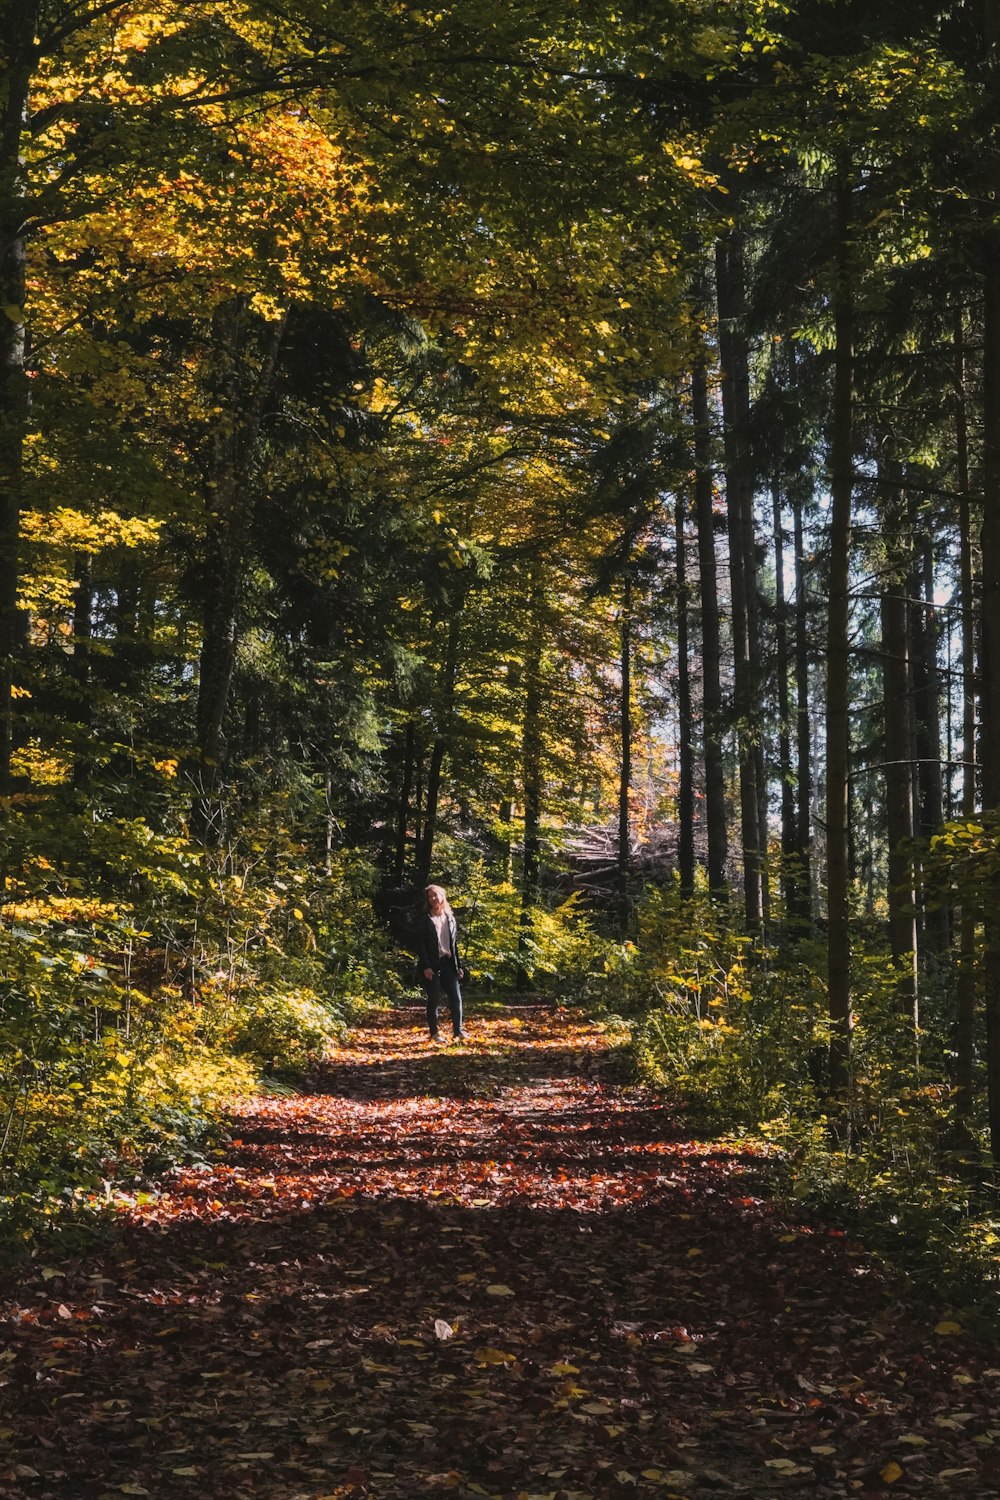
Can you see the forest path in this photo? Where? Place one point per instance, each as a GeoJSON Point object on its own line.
{"type": "Point", "coordinates": [482, 1271]}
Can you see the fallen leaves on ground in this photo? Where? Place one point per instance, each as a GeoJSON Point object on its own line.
{"type": "Point", "coordinates": [482, 1271]}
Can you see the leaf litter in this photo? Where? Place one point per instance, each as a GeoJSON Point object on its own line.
{"type": "Point", "coordinates": [497, 1271]}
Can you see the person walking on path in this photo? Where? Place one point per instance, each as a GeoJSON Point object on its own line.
{"type": "Point", "coordinates": [440, 967]}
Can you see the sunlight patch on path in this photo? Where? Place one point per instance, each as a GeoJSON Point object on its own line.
{"type": "Point", "coordinates": [399, 1119]}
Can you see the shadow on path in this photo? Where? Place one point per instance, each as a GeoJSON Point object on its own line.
{"type": "Point", "coordinates": [491, 1271]}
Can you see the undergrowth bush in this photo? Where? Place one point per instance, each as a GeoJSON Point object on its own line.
{"type": "Point", "coordinates": [741, 1037]}
{"type": "Point", "coordinates": [284, 1030]}
{"type": "Point", "coordinates": [558, 947]}
{"type": "Point", "coordinates": [129, 1023]}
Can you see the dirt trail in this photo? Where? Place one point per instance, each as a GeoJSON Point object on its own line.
{"type": "Point", "coordinates": [482, 1271]}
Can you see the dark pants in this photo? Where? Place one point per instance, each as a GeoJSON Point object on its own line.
{"type": "Point", "coordinates": [445, 981]}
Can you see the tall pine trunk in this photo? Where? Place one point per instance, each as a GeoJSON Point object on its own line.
{"type": "Point", "coordinates": [928, 798]}
{"type": "Point", "coordinates": [898, 778]}
{"type": "Point", "coordinates": [785, 776]}
{"type": "Point", "coordinates": [838, 728]}
{"type": "Point", "coordinates": [711, 648]}
{"type": "Point", "coordinates": [403, 804]}
{"type": "Point", "coordinates": [742, 570]}
{"type": "Point", "coordinates": [243, 377]}
{"type": "Point", "coordinates": [685, 717]}
{"type": "Point", "coordinates": [625, 767]}
{"type": "Point", "coordinates": [20, 20]}
{"type": "Point", "coordinates": [803, 902]}
{"type": "Point", "coordinates": [990, 551]}
{"type": "Point", "coordinates": [443, 735]}
{"type": "Point", "coordinates": [531, 780]}
{"type": "Point", "coordinates": [927, 728]}
{"type": "Point", "coordinates": [966, 998]}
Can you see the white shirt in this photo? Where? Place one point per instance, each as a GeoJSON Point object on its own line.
{"type": "Point", "coordinates": [444, 935]}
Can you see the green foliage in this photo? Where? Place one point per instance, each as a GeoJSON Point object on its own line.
{"type": "Point", "coordinates": [734, 1035]}
{"type": "Point", "coordinates": [740, 1036]}
{"type": "Point", "coordinates": [683, 953]}
{"type": "Point", "coordinates": [555, 944]}
{"type": "Point", "coordinates": [99, 1080]}
{"type": "Point", "coordinates": [284, 1030]}
{"type": "Point", "coordinates": [962, 863]}
{"type": "Point", "coordinates": [128, 1024]}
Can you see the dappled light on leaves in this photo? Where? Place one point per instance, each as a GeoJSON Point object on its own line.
{"type": "Point", "coordinates": [477, 1128]}
{"type": "Point", "coordinates": [490, 1270]}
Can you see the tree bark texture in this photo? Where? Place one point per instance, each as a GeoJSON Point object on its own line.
{"type": "Point", "coordinates": [711, 647]}
{"type": "Point", "coordinates": [685, 749]}
{"type": "Point", "coordinates": [789, 830]}
{"type": "Point", "coordinates": [838, 730]}
{"type": "Point", "coordinates": [990, 551]}
{"type": "Point", "coordinates": [742, 551]}
{"type": "Point", "coordinates": [19, 20]}
{"type": "Point", "coordinates": [895, 614]}
{"type": "Point", "coordinates": [625, 765]}
{"type": "Point", "coordinates": [965, 1011]}
{"type": "Point", "coordinates": [927, 723]}
{"type": "Point", "coordinates": [929, 801]}
{"type": "Point", "coordinates": [803, 902]}
{"type": "Point", "coordinates": [531, 778]}
{"type": "Point", "coordinates": [403, 805]}
{"type": "Point", "coordinates": [244, 374]}
{"type": "Point", "coordinates": [444, 732]}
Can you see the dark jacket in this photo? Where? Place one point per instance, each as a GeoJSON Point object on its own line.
{"type": "Point", "coordinates": [428, 956]}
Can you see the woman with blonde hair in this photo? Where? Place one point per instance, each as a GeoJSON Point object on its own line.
{"type": "Point", "coordinates": [437, 954]}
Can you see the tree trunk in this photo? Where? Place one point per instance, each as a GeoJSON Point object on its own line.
{"type": "Point", "coordinates": [329, 821]}
{"type": "Point", "coordinates": [440, 746]}
{"type": "Point", "coordinates": [931, 789]}
{"type": "Point", "coordinates": [403, 806]}
{"type": "Point", "coordinates": [804, 787]}
{"type": "Point", "coordinates": [927, 723]}
{"type": "Point", "coordinates": [742, 570]}
{"type": "Point", "coordinates": [685, 752]}
{"type": "Point", "coordinates": [711, 650]}
{"type": "Point", "coordinates": [966, 997]}
{"type": "Point", "coordinates": [803, 904]}
{"type": "Point", "coordinates": [926, 701]}
{"type": "Point", "coordinates": [838, 729]}
{"type": "Point", "coordinates": [434, 769]}
{"type": "Point", "coordinates": [531, 776]}
{"type": "Point", "coordinates": [928, 717]}
{"type": "Point", "coordinates": [418, 801]}
{"type": "Point", "coordinates": [83, 632]}
{"type": "Point", "coordinates": [125, 617]}
{"type": "Point", "coordinates": [990, 552]}
{"type": "Point", "coordinates": [20, 19]}
{"type": "Point", "coordinates": [230, 486]}
{"type": "Point", "coordinates": [787, 781]}
{"type": "Point", "coordinates": [898, 779]}
{"type": "Point", "coordinates": [625, 767]}
{"type": "Point", "coordinates": [506, 815]}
